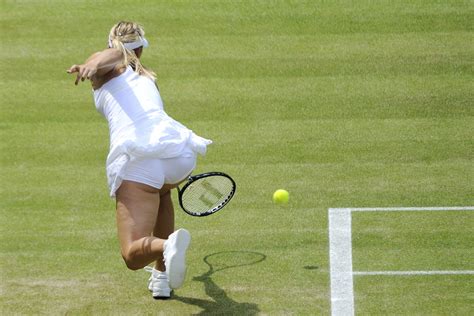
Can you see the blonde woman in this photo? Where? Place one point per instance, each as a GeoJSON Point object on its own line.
{"type": "Point", "coordinates": [150, 154]}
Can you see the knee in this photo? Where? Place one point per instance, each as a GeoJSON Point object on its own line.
{"type": "Point", "coordinates": [131, 261]}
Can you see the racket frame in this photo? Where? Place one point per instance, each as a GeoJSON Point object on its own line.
{"type": "Point", "coordinates": [192, 179]}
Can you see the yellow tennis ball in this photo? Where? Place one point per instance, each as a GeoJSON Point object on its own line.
{"type": "Point", "coordinates": [281, 196]}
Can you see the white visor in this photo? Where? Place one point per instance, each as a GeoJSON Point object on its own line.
{"type": "Point", "coordinates": [141, 41]}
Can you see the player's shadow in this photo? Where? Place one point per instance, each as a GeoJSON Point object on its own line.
{"type": "Point", "coordinates": [221, 303]}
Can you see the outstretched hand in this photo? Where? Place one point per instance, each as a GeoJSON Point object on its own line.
{"type": "Point", "coordinates": [83, 71]}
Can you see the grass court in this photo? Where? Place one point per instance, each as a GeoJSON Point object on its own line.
{"type": "Point", "coordinates": [342, 103]}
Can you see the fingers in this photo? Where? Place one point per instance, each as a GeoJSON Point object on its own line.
{"type": "Point", "coordinates": [88, 73]}
{"type": "Point", "coordinates": [73, 68]}
{"type": "Point", "coordinates": [78, 77]}
{"type": "Point", "coordinates": [83, 72]}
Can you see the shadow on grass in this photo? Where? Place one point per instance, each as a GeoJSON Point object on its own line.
{"type": "Point", "coordinates": [221, 303]}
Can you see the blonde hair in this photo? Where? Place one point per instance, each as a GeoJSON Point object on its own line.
{"type": "Point", "coordinates": [129, 32]}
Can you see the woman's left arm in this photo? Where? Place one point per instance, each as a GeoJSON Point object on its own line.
{"type": "Point", "coordinates": [99, 64]}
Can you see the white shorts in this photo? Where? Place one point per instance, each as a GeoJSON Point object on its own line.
{"type": "Point", "coordinates": [157, 172]}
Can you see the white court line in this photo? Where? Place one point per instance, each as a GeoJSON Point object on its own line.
{"type": "Point", "coordinates": [414, 273]}
{"type": "Point", "coordinates": [340, 262]}
{"type": "Point", "coordinates": [411, 209]}
{"type": "Point", "coordinates": [340, 254]}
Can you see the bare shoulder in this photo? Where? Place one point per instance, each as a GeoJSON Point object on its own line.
{"type": "Point", "coordinates": [99, 81]}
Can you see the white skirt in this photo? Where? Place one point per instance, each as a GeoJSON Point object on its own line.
{"type": "Point", "coordinates": [164, 140]}
{"type": "Point", "coordinates": [127, 154]}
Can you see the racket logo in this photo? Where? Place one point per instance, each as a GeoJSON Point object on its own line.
{"type": "Point", "coordinates": [210, 190]}
{"type": "Point", "coordinates": [204, 200]}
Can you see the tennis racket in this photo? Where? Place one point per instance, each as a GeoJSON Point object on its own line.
{"type": "Point", "coordinates": [206, 193]}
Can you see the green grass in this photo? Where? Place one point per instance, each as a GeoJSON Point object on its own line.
{"type": "Point", "coordinates": [413, 241]}
{"type": "Point", "coordinates": [342, 103]}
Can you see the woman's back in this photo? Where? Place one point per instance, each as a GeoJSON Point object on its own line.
{"type": "Point", "coordinates": [125, 101]}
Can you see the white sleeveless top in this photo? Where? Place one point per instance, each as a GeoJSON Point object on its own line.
{"type": "Point", "coordinates": [138, 125]}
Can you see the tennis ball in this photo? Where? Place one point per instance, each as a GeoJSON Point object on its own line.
{"type": "Point", "coordinates": [281, 196]}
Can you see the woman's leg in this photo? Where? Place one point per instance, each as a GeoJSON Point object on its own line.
{"type": "Point", "coordinates": [137, 212]}
{"type": "Point", "coordinates": [164, 225]}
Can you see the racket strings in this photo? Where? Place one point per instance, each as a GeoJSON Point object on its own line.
{"type": "Point", "coordinates": [206, 194]}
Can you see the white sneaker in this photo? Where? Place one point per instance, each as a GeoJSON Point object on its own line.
{"type": "Point", "coordinates": [158, 284]}
{"type": "Point", "coordinates": [174, 255]}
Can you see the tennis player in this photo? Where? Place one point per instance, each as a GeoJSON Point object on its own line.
{"type": "Point", "coordinates": [150, 154]}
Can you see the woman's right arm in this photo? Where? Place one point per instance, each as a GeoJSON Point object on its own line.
{"type": "Point", "coordinates": [99, 64]}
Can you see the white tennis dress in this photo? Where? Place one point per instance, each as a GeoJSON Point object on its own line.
{"type": "Point", "coordinates": [139, 127]}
